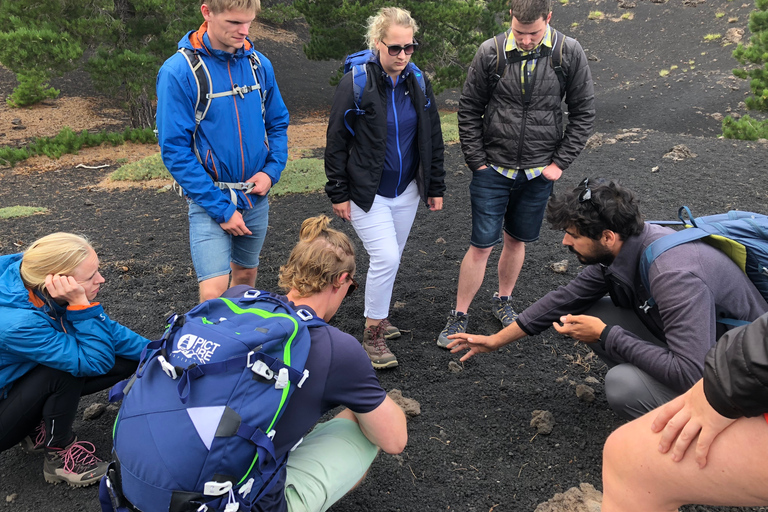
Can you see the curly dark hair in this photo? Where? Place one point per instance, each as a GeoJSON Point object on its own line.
{"type": "Point", "coordinates": [594, 206]}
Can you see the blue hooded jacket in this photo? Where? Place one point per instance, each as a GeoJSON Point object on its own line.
{"type": "Point", "coordinates": [81, 341]}
{"type": "Point", "coordinates": [230, 139]}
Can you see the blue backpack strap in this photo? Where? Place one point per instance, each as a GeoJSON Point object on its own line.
{"type": "Point", "coordinates": [359, 78]}
{"type": "Point", "coordinates": [660, 246]}
{"type": "Point", "coordinates": [417, 73]}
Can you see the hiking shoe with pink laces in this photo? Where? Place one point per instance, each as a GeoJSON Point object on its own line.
{"type": "Point", "coordinates": [76, 465]}
{"type": "Point", "coordinates": [35, 441]}
{"type": "Point", "coordinates": [376, 348]}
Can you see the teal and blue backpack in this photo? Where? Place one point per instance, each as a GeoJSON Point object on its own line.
{"type": "Point", "coordinates": [356, 63]}
{"type": "Point", "coordinates": [195, 428]}
{"type": "Point", "coordinates": [743, 236]}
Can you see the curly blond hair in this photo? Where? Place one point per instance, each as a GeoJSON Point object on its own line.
{"type": "Point", "coordinates": [322, 255]}
{"type": "Point", "coordinates": [379, 24]}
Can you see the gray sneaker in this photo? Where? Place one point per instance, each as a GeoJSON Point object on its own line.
{"type": "Point", "coordinates": [457, 323]}
{"type": "Point", "coordinates": [76, 465]}
{"type": "Point", "coordinates": [502, 309]}
{"type": "Point", "coordinates": [376, 348]}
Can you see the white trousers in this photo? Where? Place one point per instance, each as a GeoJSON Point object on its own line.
{"type": "Point", "coordinates": [384, 231]}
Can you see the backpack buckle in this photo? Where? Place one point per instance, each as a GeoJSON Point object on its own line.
{"type": "Point", "coordinates": [304, 315]}
{"type": "Point", "coordinates": [168, 368]}
{"type": "Point", "coordinates": [305, 377]}
{"type": "Point", "coordinates": [216, 488]}
{"type": "Point", "coordinates": [251, 294]}
{"type": "Point", "coordinates": [261, 368]}
{"type": "Point", "coordinates": [282, 379]}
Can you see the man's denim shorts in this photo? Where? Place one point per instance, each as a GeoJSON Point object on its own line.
{"type": "Point", "coordinates": [213, 248]}
{"type": "Point", "coordinates": [517, 205]}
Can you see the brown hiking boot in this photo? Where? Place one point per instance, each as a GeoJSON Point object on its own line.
{"type": "Point", "coordinates": [390, 331]}
{"type": "Point", "coordinates": [376, 348]}
{"type": "Point", "coordinates": [76, 465]}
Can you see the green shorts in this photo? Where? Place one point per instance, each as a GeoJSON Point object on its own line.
{"type": "Point", "coordinates": [328, 464]}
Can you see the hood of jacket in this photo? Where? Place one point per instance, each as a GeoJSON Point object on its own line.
{"type": "Point", "coordinates": [13, 293]}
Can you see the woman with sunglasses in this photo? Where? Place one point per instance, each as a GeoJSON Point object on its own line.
{"type": "Point", "coordinates": [57, 345]}
{"type": "Point", "coordinates": [380, 162]}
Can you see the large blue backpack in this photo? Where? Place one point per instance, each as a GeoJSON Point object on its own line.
{"type": "Point", "coordinates": [743, 236]}
{"type": "Point", "coordinates": [356, 64]}
{"type": "Point", "coordinates": [195, 428]}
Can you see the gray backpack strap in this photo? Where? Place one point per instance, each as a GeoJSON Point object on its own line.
{"type": "Point", "coordinates": [557, 61]}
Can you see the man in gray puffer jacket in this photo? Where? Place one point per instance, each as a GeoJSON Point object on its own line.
{"type": "Point", "coordinates": [513, 139]}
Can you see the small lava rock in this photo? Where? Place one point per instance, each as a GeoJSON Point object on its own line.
{"type": "Point", "coordinates": [93, 411]}
{"type": "Point", "coordinates": [542, 421]}
{"type": "Point", "coordinates": [584, 498]}
{"type": "Point", "coordinates": [585, 393]}
{"type": "Point", "coordinates": [454, 367]}
{"type": "Point", "coordinates": [680, 152]}
{"type": "Point", "coordinates": [559, 267]}
{"type": "Point", "coordinates": [409, 406]}
{"type": "Point", "coordinates": [11, 498]}
{"type": "Point", "coordinates": [591, 380]}
{"type": "Point", "coordinates": [16, 121]}
{"type": "Point", "coordinates": [440, 240]}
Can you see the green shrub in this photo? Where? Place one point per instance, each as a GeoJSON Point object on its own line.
{"type": "Point", "coordinates": [21, 211]}
{"type": "Point", "coordinates": [148, 168]}
{"type": "Point", "coordinates": [745, 128]}
{"type": "Point", "coordinates": [69, 142]}
{"type": "Point", "coordinates": [33, 88]}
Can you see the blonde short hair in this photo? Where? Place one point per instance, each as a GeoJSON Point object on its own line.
{"type": "Point", "coordinates": [217, 6]}
{"type": "Point", "coordinates": [57, 253]}
{"type": "Point", "coordinates": [322, 255]}
{"type": "Point", "coordinates": [379, 25]}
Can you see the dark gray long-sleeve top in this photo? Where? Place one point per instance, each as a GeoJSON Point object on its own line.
{"type": "Point", "coordinates": [693, 284]}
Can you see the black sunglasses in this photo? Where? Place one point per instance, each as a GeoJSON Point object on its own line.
{"type": "Point", "coordinates": [586, 195]}
{"type": "Point", "coordinates": [352, 287]}
{"type": "Point", "coordinates": [395, 49]}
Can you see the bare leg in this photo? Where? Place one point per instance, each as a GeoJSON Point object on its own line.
{"type": "Point", "coordinates": [471, 276]}
{"type": "Point", "coordinates": [510, 264]}
{"type": "Point", "coordinates": [638, 478]}
{"type": "Point", "coordinates": [213, 287]}
{"type": "Point", "coordinates": [242, 275]}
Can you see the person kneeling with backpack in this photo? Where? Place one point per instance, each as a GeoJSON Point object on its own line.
{"type": "Point", "coordinates": [197, 429]}
{"type": "Point", "coordinates": [319, 275]}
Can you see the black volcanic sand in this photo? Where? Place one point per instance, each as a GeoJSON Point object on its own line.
{"type": "Point", "coordinates": [472, 448]}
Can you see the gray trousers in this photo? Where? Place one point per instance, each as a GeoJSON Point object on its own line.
{"type": "Point", "coordinates": [629, 390]}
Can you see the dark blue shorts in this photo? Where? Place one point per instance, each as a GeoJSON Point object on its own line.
{"type": "Point", "coordinates": [517, 205]}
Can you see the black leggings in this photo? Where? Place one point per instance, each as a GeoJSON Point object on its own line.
{"type": "Point", "coordinates": [53, 396]}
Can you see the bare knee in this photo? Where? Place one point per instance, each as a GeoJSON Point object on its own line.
{"type": "Point", "coordinates": [478, 253]}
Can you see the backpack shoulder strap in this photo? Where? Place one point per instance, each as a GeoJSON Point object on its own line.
{"type": "Point", "coordinates": [260, 77]}
{"type": "Point", "coordinates": [203, 100]}
{"type": "Point", "coordinates": [660, 246]}
{"type": "Point", "coordinates": [557, 61]}
{"type": "Point", "coordinates": [422, 84]}
{"type": "Point", "coordinates": [500, 42]}
{"type": "Point", "coordinates": [359, 79]}
{"type": "Point", "coordinates": [202, 80]}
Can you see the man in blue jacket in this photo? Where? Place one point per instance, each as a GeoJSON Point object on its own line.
{"type": "Point", "coordinates": [225, 152]}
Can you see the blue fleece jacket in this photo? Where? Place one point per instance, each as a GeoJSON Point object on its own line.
{"type": "Point", "coordinates": [81, 341]}
{"type": "Point", "coordinates": [230, 139]}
